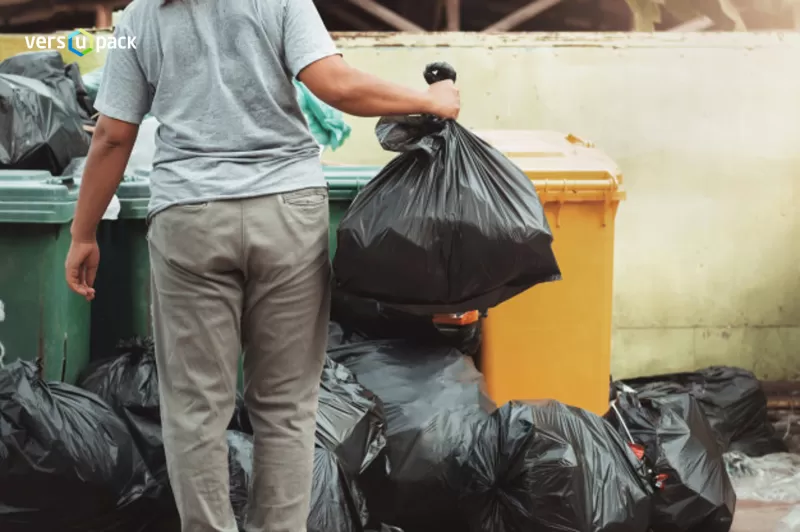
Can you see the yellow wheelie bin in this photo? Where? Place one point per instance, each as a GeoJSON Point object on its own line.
{"type": "Point", "coordinates": [554, 341]}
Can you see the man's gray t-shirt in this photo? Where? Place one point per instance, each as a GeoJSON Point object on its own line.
{"type": "Point", "coordinates": [217, 74]}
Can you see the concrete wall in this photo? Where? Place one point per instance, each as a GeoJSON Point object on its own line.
{"type": "Point", "coordinates": [706, 129]}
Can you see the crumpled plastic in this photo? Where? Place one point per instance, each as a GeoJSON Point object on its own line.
{"type": "Point", "coordinates": [547, 466]}
{"type": "Point", "coordinates": [326, 123]}
{"type": "Point", "coordinates": [434, 401]}
{"type": "Point", "coordinates": [64, 80]}
{"type": "Point", "coordinates": [128, 381]}
{"type": "Point", "coordinates": [240, 470]}
{"type": "Point", "coordinates": [770, 478]}
{"type": "Point", "coordinates": [67, 462]}
{"type": "Point", "coordinates": [693, 492]}
{"type": "Point", "coordinates": [450, 225]}
{"type": "Point", "coordinates": [732, 400]}
{"type": "Point", "coordinates": [39, 131]}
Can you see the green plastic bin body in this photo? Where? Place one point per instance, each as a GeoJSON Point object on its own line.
{"type": "Point", "coordinates": [121, 308]}
{"type": "Point", "coordinates": [344, 183]}
{"type": "Point", "coordinates": [41, 319]}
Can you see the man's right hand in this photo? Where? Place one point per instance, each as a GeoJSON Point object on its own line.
{"type": "Point", "coordinates": [445, 99]}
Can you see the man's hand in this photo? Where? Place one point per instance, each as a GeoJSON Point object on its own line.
{"type": "Point", "coordinates": [81, 267]}
{"type": "Point", "coordinates": [445, 99]}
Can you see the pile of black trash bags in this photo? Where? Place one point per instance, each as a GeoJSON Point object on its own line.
{"type": "Point", "coordinates": [407, 440]}
{"type": "Point", "coordinates": [43, 108]}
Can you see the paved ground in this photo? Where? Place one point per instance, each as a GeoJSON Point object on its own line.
{"type": "Point", "coordinates": [762, 517]}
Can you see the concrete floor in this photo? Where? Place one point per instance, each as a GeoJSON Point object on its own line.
{"type": "Point", "coordinates": [754, 516]}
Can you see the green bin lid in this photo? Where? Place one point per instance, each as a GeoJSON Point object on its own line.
{"type": "Point", "coordinates": [134, 195]}
{"type": "Point", "coordinates": [36, 197]}
{"type": "Point", "coordinates": [345, 182]}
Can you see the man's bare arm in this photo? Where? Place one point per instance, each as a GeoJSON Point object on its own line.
{"type": "Point", "coordinates": [357, 93]}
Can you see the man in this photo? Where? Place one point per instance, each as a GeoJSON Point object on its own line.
{"type": "Point", "coordinates": [238, 230]}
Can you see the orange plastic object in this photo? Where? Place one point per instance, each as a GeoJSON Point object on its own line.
{"type": "Point", "coordinates": [554, 341]}
{"type": "Point", "coordinates": [465, 318]}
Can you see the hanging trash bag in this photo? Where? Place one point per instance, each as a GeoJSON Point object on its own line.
{"type": "Point", "coordinates": [450, 225]}
{"type": "Point", "coordinates": [692, 489]}
{"type": "Point", "coordinates": [67, 462]}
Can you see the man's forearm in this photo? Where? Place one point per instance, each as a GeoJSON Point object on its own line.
{"type": "Point", "coordinates": [367, 95]}
{"type": "Point", "coordinates": [105, 167]}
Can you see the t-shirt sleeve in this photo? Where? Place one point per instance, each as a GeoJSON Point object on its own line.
{"type": "Point", "coordinates": [124, 92]}
{"type": "Point", "coordinates": [305, 38]}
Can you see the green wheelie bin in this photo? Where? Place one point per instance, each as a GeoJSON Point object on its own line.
{"type": "Point", "coordinates": [41, 319]}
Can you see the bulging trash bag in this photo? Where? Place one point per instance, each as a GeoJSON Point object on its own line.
{"type": "Point", "coordinates": [731, 398]}
{"type": "Point", "coordinates": [434, 400]}
{"type": "Point", "coordinates": [350, 439]}
{"type": "Point", "coordinates": [128, 381]}
{"type": "Point", "coordinates": [693, 492]}
{"type": "Point", "coordinates": [545, 466]}
{"type": "Point", "coordinates": [337, 503]}
{"type": "Point", "coordinates": [350, 420]}
{"type": "Point", "coordinates": [450, 225]}
{"type": "Point", "coordinates": [49, 68]}
{"type": "Point", "coordinates": [39, 131]}
{"type": "Point", "coordinates": [67, 462]}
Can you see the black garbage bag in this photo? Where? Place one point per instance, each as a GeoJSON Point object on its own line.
{"type": "Point", "coordinates": [693, 490]}
{"type": "Point", "coordinates": [240, 470]}
{"type": "Point", "coordinates": [731, 398]}
{"type": "Point", "coordinates": [49, 68]}
{"type": "Point", "coordinates": [39, 132]}
{"type": "Point", "coordinates": [434, 400]}
{"type": "Point", "coordinates": [67, 462]}
{"type": "Point", "coordinates": [546, 466]}
{"type": "Point", "coordinates": [128, 381]}
{"type": "Point", "coordinates": [372, 320]}
{"type": "Point", "coordinates": [450, 225]}
{"type": "Point", "coordinates": [350, 441]}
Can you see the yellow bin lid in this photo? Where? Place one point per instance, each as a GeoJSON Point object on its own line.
{"type": "Point", "coordinates": [563, 167]}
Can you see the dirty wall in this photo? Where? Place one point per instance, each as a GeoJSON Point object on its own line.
{"type": "Point", "coordinates": [706, 129]}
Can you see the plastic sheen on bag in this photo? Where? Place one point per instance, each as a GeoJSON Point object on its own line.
{"type": "Point", "coordinates": [770, 478]}
{"type": "Point", "coordinates": [39, 131]}
{"type": "Point", "coordinates": [64, 80]}
{"type": "Point", "coordinates": [240, 470]}
{"type": "Point", "coordinates": [547, 466]}
{"type": "Point", "coordinates": [67, 462]}
{"type": "Point", "coordinates": [434, 400]}
{"type": "Point", "coordinates": [693, 492]}
{"type": "Point", "coordinates": [450, 225]}
{"type": "Point", "coordinates": [731, 398]}
{"type": "Point", "coordinates": [128, 381]}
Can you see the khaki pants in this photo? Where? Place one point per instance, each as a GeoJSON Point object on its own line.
{"type": "Point", "coordinates": [228, 275]}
